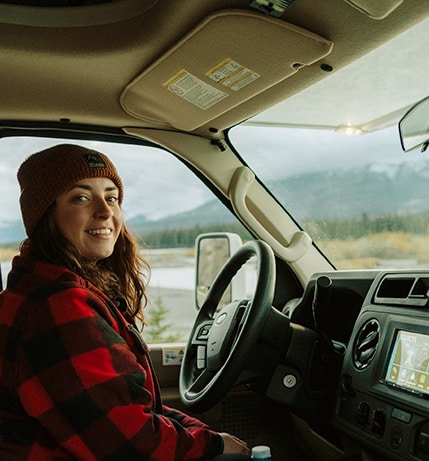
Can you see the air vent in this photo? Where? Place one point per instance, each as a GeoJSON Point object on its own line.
{"type": "Point", "coordinates": [396, 287]}
{"type": "Point", "coordinates": [365, 345]}
{"type": "Point", "coordinates": [406, 290]}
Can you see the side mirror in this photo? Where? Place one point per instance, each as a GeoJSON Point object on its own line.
{"type": "Point", "coordinates": [212, 252]}
{"type": "Point", "coordinates": [414, 127]}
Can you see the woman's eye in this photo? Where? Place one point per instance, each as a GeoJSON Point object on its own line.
{"type": "Point", "coordinates": [81, 198]}
{"type": "Point", "coordinates": [112, 198]}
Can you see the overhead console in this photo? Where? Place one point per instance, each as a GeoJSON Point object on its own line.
{"type": "Point", "coordinates": [383, 397]}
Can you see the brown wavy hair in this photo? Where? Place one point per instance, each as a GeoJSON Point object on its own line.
{"type": "Point", "coordinates": [122, 276]}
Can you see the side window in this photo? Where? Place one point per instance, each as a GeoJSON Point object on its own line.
{"type": "Point", "coordinates": [165, 205]}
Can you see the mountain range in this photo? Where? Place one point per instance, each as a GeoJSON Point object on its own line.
{"type": "Point", "coordinates": [374, 190]}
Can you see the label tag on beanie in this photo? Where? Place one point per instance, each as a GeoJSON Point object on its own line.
{"type": "Point", "coordinates": [94, 160]}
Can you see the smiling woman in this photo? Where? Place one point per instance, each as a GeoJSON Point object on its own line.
{"type": "Point", "coordinates": [164, 206]}
{"type": "Point", "coordinates": [70, 308]}
{"type": "Point", "coordinates": [68, 194]}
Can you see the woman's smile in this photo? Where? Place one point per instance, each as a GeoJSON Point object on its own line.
{"type": "Point", "coordinates": [102, 232]}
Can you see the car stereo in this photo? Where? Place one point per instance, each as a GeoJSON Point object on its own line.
{"type": "Point", "coordinates": [408, 364]}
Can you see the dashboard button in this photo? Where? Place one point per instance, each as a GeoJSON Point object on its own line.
{"type": "Point", "coordinates": [363, 413]}
{"type": "Point", "coordinates": [401, 415]}
{"type": "Point", "coordinates": [396, 438]}
{"type": "Point", "coordinates": [378, 423]}
{"type": "Point", "coordinates": [422, 440]}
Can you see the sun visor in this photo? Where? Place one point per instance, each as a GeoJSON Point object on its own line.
{"type": "Point", "coordinates": [229, 58]}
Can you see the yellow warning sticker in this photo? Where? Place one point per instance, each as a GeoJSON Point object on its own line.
{"type": "Point", "coordinates": [232, 74]}
{"type": "Point", "coordinates": [172, 355]}
{"type": "Point", "coordinates": [194, 90]}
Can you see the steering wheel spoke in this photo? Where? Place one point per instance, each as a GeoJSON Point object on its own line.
{"type": "Point", "coordinates": [199, 384]}
{"type": "Point", "coordinates": [224, 334]}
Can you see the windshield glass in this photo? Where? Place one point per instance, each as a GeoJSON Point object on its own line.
{"type": "Point", "coordinates": [332, 156]}
{"type": "Point", "coordinates": [361, 198]}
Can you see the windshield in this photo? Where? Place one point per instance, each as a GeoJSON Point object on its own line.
{"type": "Point", "coordinates": [332, 156]}
{"type": "Point", "coordinates": [360, 197]}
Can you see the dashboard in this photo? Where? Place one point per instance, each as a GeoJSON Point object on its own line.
{"type": "Point", "coordinates": [373, 384]}
{"type": "Point", "coordinates": [383, 395]}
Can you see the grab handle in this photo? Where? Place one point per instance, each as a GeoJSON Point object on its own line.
{"type": "Point", "coordinates": [241, 181]}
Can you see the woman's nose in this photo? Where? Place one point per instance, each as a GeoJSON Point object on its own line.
{"type": "Point", "coordinates": [103, 209]}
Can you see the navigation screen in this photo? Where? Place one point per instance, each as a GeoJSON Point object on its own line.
{"type": "Point", "coordinates": [409, 362]}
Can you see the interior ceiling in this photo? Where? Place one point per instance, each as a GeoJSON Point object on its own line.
{"type": "Point", "coordinates": [78, 63]}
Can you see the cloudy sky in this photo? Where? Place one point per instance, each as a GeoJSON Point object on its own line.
{"type": "Point", "coordinates": [140, 168]}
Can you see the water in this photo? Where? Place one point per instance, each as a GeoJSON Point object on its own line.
{"type": "Point", "coordinates": [162, 277]}
{"type": "Point", "coordinates": [174, 286]}
{"type": "Point", "coordinates": [173, 277]}
{"type": "Point", "coordinates": [5, 268]}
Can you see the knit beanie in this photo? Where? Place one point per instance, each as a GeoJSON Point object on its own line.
{"type": "Point", "coordinates": [51, 172]}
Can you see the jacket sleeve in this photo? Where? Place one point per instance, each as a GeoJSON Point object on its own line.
{"type": "Point", "coordinates": [78, 377]}
{"type": "Point", "coordinates": [184, 419]}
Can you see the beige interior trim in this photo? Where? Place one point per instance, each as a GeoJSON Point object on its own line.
{"type": "Point", "coordinates": [218, 66]}
{"type": "Point", "coordinates": [375, 9]}
{"type": "Point", "coordinates": [74, 16]}
{"type": "Point", "coordinates": [241, 181]}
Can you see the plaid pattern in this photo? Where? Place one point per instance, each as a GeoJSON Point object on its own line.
{"type": "Point", "coordinates": [75, 378]}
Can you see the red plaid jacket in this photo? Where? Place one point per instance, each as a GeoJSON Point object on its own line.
{"type": "Point", "coordinates": [75, 378]}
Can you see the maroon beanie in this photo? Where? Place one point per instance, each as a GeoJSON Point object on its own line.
{"type": "Point", "coordinates": [49, 173]}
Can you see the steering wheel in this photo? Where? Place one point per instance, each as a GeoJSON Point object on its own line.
{"type": "Point", "coordinates": [220, 341]}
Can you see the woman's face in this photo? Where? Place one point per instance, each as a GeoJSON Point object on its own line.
{"type": "Point", "coordinates": [89, 216]}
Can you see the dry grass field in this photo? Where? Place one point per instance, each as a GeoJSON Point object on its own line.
{"type": "Point", "coordinates": [368, 252]}
{"type": "Point", "coordinates": [378, 250]}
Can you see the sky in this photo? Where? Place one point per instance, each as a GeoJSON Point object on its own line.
{"type": "Point", "coordinates": [139, 168]}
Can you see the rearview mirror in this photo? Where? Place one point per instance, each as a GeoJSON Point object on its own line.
{"type": "Point", "coordinates": [414, 127]}
{"type": "Point", "coordinates": [212, 252]}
